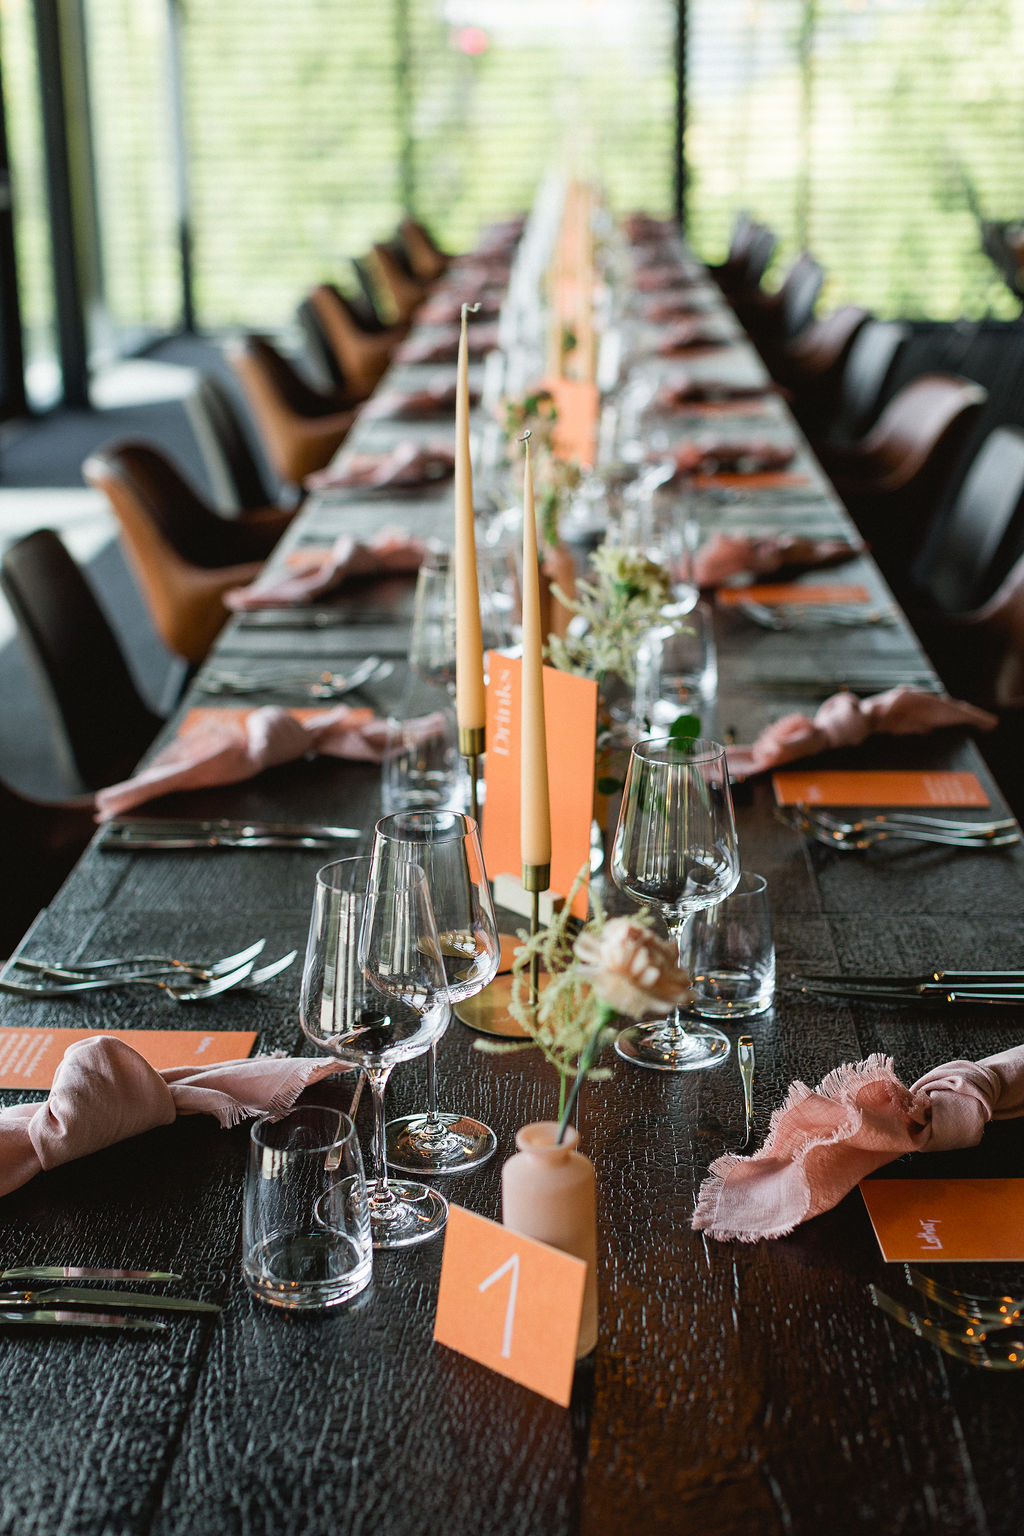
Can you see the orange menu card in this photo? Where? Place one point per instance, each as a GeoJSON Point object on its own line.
{"type": "Point", "coordinates": [945, 1221]}
{"type": "Point", "coordinates": [510, 1303]}
{"type": "Point", "coordinates": [879, 787]}
{"type": "Point", "coordinates": [30, 1056]}
{"type": "Point", "coordinates": [570, 714]}
{"type": "Point", "coordinates": [778, 592]}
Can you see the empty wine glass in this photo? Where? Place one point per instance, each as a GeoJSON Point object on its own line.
{"type": "Point", "coordinates": [675, 849]}
{"type": "Point", "coordinates": [374, 995]}
{"type": "Point", "coordinates": [446, 846]}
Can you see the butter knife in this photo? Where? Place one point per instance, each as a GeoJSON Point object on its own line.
{"type": "Point", "coordinates": [85, 1297]}
{"type": "Point", "coordinates": [82, 1272]}
{"type": "Point", "coordinates": [48, 1317]}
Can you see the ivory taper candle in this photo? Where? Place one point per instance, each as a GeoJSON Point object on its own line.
{"type": "Point", "coordinates": [535, 811]}
{"type": "Point", "coordinates": [470, 706]}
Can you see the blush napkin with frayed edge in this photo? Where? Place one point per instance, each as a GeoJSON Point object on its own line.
{"type": "Point", "coordinates": [844, 720]}
{"type": "Point", "coordinates": [407, 464]}
{"type": "Point", "coordinates": [824, 1140]}
{"type": "Point", "coordinates": [726, 555]}
{"type": "Point", "coordinates": [228, 751]}
{"type": "Point", "coordinates": [391, 552]}
{"type": "Point", "coordinates": [104, 1091]}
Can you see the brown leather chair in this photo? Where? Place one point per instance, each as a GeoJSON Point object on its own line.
{"type": "Point", "coordinates": [891, 479]}
{"type": "Point", "coordinates": [402, 292]}
{"type": "Point", "coordinates": [425, 256]}
{"type": "Point", "coordinates": [362, 356]}
{"type": "Point", "coordinates": [812, 363]}
{"type": "Point", "coordinates": [301, 427]}
{"type": "Point", "coordinates": [774, 319]}
{"type": "Point", "coordinates": [184, 556]}
{"type": "Point", "coordinates": [99, 722]}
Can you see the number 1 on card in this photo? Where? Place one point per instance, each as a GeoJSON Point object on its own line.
{"type": "Point", "coordinates": [516, 1312]}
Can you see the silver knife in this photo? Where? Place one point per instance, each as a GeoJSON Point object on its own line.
{"type": "Point", "coordinates": [157, 826]}
{"type": "Point", "coordinates": [83, 1296]}
{"type": "Point", "coordinates": [318, 618]}
{"type": "Point", "coordinates": [897, 995]}
{"type": "Point", "coordinates": [211, 840]}
{"type": "Point", "coordinates": [82, 1272]}
{"type": "Point", "coordinates": [745, 1054]}
{"type": "Point", "coordinates": [48, 1317]}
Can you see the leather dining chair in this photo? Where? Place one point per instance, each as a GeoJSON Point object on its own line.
{"type": "Point", "coordinates": [301, 427]}
{"type": "Point", "coordinates": [43, 840]}
{"type": "Point", "coordinates": [402, 292]}
{"type": "Point", "coordinates": [731, 270]}
{"type": "Point", "coordinates": [773, 319]}
{"type": "Point", "coordinates": [184, 556]}
{"type": "Point", "coordinates": [865, 382]}
{"type": "Point", "coordinates": [362, 356]}
{"type": "Point", "coordinates": [238, 479]}
{"type": "Point", "coordinates": [99, 722]}
{"type": "Point", "coordinates": [812, 364]}
{"type": "Point", "coordinates": [891, 478]}
{"type": "Point", "coordinates": [425, 257]}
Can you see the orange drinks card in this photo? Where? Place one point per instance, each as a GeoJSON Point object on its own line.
{"type": "Point", "coordinates": [879, 787]}
{"type": "Point", "coordinates": [775, 593]}
{"type": "Point", "coordinates": [510, 1303]}
{"type": "Point", "coordinates": [578, 406]}
{"type": "Point", "coordinates": [942, 1221]}
{"type": "Point", "coordinates": [570, 714]}
{"type": "Point", "coordinates": [29, 1057]}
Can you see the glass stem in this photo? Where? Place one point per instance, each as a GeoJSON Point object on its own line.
{"type": "Point", "coordinates": [378, 1077]}
{"type": "Point", "coordinates": [432, 1121]}
{"type": "Point", "coordinates": [681, 934]}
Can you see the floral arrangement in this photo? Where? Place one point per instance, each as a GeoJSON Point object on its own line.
{"type": "Point", "coordinates": [554, 478]}
{"type": "Point", "coordinates": [625, 597]}
{"type": "Point", "coordinates": [613, 967]}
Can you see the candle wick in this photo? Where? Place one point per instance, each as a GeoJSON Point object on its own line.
{"type": "Point", "coordinates": [526, 435]}
{"type": "Point", "coordinates": [469, 309]}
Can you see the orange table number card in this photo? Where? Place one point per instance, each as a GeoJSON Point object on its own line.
{"type": "Point", "coordinates": [773, 594]}
{"type": "Point", "coordinates": [570, 714]}
{"type": "Point", "coordinates": [510, 1303]}
{"type": "Point", "coordinates": [879, 788]}
{"type": "Point", "coordinates": [946, 1221]}
{"type": "Point", "coordinates": [30, 1056]}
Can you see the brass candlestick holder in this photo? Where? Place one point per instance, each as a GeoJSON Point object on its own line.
{"type": "Point", "coordinates": [489, 1011]}
{"type": "Point", "coordinates": [471, 747]}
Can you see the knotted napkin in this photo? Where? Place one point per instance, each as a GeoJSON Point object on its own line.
{"type": "Point", "coordinates": [751, 457]}
{"type": "Point", "coordinates": [689, 334]}
{"type": "Point", "coordinates": [683, 391]}
{"type": "Point", "coordinates": [824, 1140]}
{"type": "Point", "coordinates": [844, 720]}
{"type": "Point", "coordinates": [226, 751]}
{"type": "Point", "coordinates": [416, 404]}
{"type": "Point", "coordinates": [446, 308]}
{"type": "Point", "coordinates": [390, 552]}
{"type": "Point", "coordinates": [408, 464]}
{"type": "Point", "coordinates": [726, 555]}
{"type": "Point", "coordinates": [104, 1091]}
{"type": "Point", "coordinates": [444, 348]}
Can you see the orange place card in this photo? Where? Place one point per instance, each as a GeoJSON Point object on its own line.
{"type": "Point", "coordinates": [30, 1056]}
{"type": "Point", "coordinates": [570, 715]}
{"type": "Point", "coordinates": [762, 480]}
{"type": "Point", "coordinates": [578, 405]}
{"type": "Point", "coordinates": [510, 1303]}
{"type": "Point", "coordinates": [879, 787]}
{"type": "Point", "coordinates": [779, 592]}
{"type": "Point", "coordinates": [946, 1221]}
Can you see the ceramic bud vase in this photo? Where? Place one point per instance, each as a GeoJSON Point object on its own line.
{"type": "Point", "coordinates": [548, 1192]}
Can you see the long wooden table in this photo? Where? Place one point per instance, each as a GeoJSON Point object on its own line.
{"type": "Point", "coordinates": [735, 1388]}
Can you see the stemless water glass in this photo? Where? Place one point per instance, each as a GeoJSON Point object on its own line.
{"type": "Point", "coordinates": [374, 995]}
{"type": "Point", "coordinates": [675, 849]}
{"type": "Point", "coordinates": [446, 846]}
{"type": "Point", "coordinates": [676, 671]}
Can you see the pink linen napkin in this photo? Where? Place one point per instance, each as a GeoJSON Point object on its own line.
{"type": "Point", "coordinates": [824, 1140]}
{"type": "Point", "coordinates": [446, 308]}
{"type": "Point", "coordinates": [751, 457]}
{"type": "Point", "coordinates": [407, 464]}
{"type": "Point", "coordinates": [690, 334]}
{"type": "Point", "coordinates": [661, 311]}
{"type": "Point", "coordinates": [726, 555]}
{"type": "Point", "coordinates": [416, 405]}
{"type": "Point", "coordinates": [661, 279]}
{"type": "Point", "coordinates": [221, 751]}
{"type": "Point", "coordinates": [445, 348]}
{"type": "Point", "coordinates": [389, 553]}
{"type": "Point", "coordinates": [683, 391]}
{"type": "Point", "coordinates": [845, 720]}
{"type": "Point", "coordinates": [104, 1091]}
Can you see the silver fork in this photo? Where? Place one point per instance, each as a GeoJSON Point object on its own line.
{"type": "Point", "coordinates": [186, 992]}
{"type": "Point", "coordinates": [869, 839]}
{"type": "Point", "coordinates": [1002, 1311]}
{"type": "Point", "coordinates": [908, 819]}
{"type": "Point", "coordinates": [974, 1346]}
{"type": "Point", "coordinates": [142, 965]}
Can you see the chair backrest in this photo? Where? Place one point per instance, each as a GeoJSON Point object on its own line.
{"type": "Point", "coordinates": [254, 357]}
{"type": "Point", "coordinates": [971, 548]}
{"type": "Point", "coordinates": [236, 475]}
{"type": "Point", "coordinates": [42, 842]}
{"type": "Point", "coordinates": [798, 294]}
{"type": "Point", "coordinates": [760, 251]}
{"type": "Point", "coordinates": [101, 725]}
{"type": "Point", "coordinates": [870, 364]}
{"type": "Point", "coordinates": [368, 310]}
{"type": "Point", "coordinates": [318, 348]}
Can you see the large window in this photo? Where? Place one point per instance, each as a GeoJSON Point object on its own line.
{"type": "Point", "coordinates": [864, 130]}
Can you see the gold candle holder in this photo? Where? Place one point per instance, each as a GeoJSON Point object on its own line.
{"type": "Point", "coordinates": [471, 747]}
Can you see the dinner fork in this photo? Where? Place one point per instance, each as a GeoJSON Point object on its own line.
{"type": "Point", "coordinates": [975, 1347]}
{"type": "Point", "coordinates": [188, 992]}
{"type": "Point", "coordinates": [893, 819]}
{"type": "Point", "coordinates": [813, 616]}
{"type": "Point", "coordinates": [137, 964]}
{"type": "Point", "coordinates": [884, 834]}
{"type": "Point", "coordinates": [1000, 1310]}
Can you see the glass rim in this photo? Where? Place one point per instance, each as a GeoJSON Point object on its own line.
{"type": "Point", "coordinates": [346, 1129]}
{"type": "Point", "coordinates": [405, 877]}
{"type": "Point", "coordinates": [690, 749]}
{"type": "Point", "coordinates": [757, 885]}
{"type": "Point", "coordinates": [463, 825]}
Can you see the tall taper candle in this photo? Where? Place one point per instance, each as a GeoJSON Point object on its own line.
{"type": "Point", "coordinates": [535, 812]}
{"type": "Point", "coordinates": [470, 706]}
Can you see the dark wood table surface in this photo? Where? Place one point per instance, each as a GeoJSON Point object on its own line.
{"type": "Point", "coordinates": [735, 1388]}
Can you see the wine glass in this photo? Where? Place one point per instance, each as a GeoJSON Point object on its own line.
{"type": "Point", "coordinates": [444, 843]}
{"type": "Point", "coordinates": [374, 995]}
{"type": "Point", "coordinates": [675, 849]}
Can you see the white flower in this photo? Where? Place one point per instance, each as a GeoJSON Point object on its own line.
{"type": "Point", "coordinates": [633, 970]}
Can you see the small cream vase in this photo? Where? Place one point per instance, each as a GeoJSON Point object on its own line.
{"type": "Point", "coordinates": [548, 1192]}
